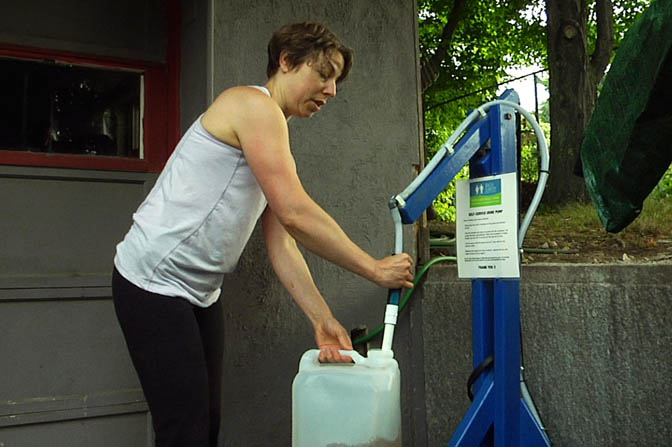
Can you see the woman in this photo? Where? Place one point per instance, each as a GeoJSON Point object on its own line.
{"type": "Point", "coordinates": [232, 166]}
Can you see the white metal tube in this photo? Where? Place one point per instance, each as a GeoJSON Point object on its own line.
{"type": "Point", "coordinates": [446, 149]}
{"type": "Point", "coordinates": [528, 400]}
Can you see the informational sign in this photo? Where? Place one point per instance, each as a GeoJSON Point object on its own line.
{"type": "Point", "coordinates": [487, 227]}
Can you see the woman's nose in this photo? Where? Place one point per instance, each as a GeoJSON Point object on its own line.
{"type": "Point", "coordinates": [330, 88]}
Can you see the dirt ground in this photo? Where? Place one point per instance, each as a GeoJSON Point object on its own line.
{"type": "Point", "coordinates": [597, 246]}
{"type": "Point", "coordinates": [578, 246]}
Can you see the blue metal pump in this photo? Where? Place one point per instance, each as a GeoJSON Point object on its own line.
{"type": "Point", "coordinates": [498, 415]}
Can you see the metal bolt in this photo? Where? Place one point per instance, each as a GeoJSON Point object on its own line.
{"type": "Point", "coordinates": [508, 116]}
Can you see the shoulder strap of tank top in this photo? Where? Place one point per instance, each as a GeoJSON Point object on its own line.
{"type": "Point", "coordinates": [263, 89]}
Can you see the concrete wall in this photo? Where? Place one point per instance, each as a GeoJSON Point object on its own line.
{"type": "Point", "coordinates": [596, 352]}
{"type": "Point", "coordinates": [352, 156]}
{"type": "Point", "coordinates": [66, 378]}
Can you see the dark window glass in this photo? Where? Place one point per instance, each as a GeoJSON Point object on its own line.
{"type": "Point", "coordinates": [53, 107]}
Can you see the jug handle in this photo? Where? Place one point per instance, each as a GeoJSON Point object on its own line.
{"type": "Point", "coordinates": [356, 356]}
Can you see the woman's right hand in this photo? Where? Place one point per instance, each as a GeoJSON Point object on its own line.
{"type": "Point", "coordinates": [395, 272]}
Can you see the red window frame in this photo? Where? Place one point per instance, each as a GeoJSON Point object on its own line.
{"type": "Point", "coordinates": [161, 126]}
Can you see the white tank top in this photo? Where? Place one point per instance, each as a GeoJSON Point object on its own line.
{"type": "Point", "coordinates": [195, 222]}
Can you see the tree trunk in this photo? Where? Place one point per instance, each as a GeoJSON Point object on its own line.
{"type": "Point", "coordinates": [431, 64]}
{"type": "Point", "coordinates": [573, 79]}
{"type": "Point", "coordinates": [568, 86]}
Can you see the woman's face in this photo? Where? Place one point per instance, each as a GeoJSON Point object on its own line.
{"type": "Point", "coordinates": [312, 83]}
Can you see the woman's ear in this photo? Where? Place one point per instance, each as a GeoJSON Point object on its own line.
{"type": "Point", "coordinates": [284, 63]}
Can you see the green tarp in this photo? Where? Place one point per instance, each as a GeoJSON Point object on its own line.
{"type": "Point", "coordinates": [628, 142]}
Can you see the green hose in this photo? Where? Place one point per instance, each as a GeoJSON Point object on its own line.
{"type": "Point", "coordinates": [442, 242]}
{"type": "Point", "coordinates": [446, 242]}
{"type": "Point", "coordinates": [439, 242]}
{"type": "Point", "coordinates": [408, 295]}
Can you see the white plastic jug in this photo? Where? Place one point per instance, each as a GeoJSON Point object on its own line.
{"type": "Point", "coordinates": [347, 405]}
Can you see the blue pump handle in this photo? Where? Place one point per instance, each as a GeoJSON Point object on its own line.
{"type": "Point", "coordinates": [394, 296]}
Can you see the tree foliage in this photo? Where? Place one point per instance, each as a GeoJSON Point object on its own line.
{"type": "Point", "coordinates": [491, 36]}
{"type": "Point", "coordinates": [467, 45]}
{"type": "Point", "coordinates": [625, 13]}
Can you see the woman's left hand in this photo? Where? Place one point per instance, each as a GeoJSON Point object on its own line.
{"type": "Point", "coordinates": [332, 337]}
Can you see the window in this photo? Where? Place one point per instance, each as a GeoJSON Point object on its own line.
{"type": "Point", "coordinates": [64, 110]}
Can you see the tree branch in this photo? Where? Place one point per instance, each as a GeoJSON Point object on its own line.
{"type": "Point", "coordinates": [605, 39]}
{"type": "Point", "coordinates": [431, 67]}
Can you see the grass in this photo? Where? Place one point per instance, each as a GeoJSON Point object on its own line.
{"type": "Point", "coordinates": [655, 219]}
{"type": "Point", "coordinates": [576, 227]}
{"type": "Point", "coordinates": [573, 233]}
{"type": "Point", "coordinates": [656, 216]}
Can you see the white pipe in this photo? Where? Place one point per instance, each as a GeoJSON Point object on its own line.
{"type": "Point", "coordinates": [528, 400]}
{"type": "Point", "coordinates": [392, 311]}
{"type": "Point", "coordinates": [398, 231]}
{"type": "Point", "coordinates": [543, 173]}
{"type": "Point", "coordinates": [447, 149]}
{"type": "Point", "coordinates": [388, 335]}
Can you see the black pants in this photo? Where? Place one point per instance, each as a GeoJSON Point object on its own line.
{"type": "Point", "coordinates": [177, 350]}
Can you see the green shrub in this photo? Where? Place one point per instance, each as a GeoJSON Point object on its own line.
{"type": "Point", "coordinates": [664, 188]}
{"type": "Point", "coordinates": [444, 204]}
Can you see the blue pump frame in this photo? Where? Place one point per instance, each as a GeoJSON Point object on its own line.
{"type": "Point", "coordinates": [498, 416]}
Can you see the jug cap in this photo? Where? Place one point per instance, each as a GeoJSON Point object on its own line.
{"type": "Point", "coordinates": [379, 357]}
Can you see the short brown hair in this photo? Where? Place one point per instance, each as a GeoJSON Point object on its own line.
{"type": "Point", "coordinates": [303, 42]}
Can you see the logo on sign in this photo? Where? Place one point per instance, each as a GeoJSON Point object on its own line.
{"type": "Point", "coordinates": [485, 193]}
